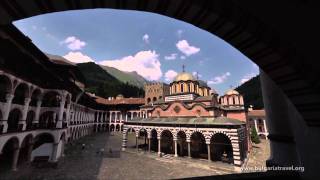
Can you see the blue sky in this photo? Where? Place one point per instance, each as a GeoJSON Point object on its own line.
{"type": "Point", "coordinates": [153, 45]}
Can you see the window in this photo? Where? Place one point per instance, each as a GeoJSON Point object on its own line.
{"type": "Point", "coordinates": [181, 87]}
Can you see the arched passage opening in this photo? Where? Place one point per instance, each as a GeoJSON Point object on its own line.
{"type": "Point", "coordinates": [51, 99]}
{"type": "Point", "coordinates": [198, 146]}
{"type": "Point", "coordinates": [112, 127]}
{"type": "Point", "coordinates": [167, 145]}
{"type": "Point", "coordinates": [47, 120]}
{"type": "Point", "coordinates": [5, 87]}
{"type": "Point", "coordinates": [142, 139]}
{"type": "Point", "coordinates": [8, 153]}
{"type": "Point", "coordinates": [117, 127]}
{"type": "Point", "coordinates": [36, 95]}
{"type": "Point", "coordinates": [154, 140]}
{"type": "Point", "coordinates": [108, 127]}
{"type": "Point", "coordinates": [26, 149]}
{"type": "Point", "coordinates": [221, 148]}
{"type": "Point", "coordinates": [29, 120]}
{"type": "Point", "coordinates": [21, 92]}
{"type": "Point", "coordinates": [182, 146]}
{"type": "Point", "coordinates": [42, 139]}
{"type": "Point", "coordinates": [13, 120]}
{"type": "Point", "coordinates": [42, 146]}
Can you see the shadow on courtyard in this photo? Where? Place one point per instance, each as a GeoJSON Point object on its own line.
{"type": "Point", "coordinates": [78, 162]}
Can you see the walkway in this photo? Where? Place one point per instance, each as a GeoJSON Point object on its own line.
{"type": "Point", "coordinates": [87, 164]}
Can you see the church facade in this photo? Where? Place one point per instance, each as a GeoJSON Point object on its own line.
{"type": "Point", "coordinates": [193, 121]}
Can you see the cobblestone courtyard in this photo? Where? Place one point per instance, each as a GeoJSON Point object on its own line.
{"type": "Point", "coordinates": [259, 154]}
{"type": "Point", "coordinates": [87, 164]}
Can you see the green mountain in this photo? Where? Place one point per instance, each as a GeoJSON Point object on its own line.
{"type": "Point", "coordinates": [251, 91]}
{"type": "Point", "coordinates": [132, 78]}
{"type": "Point", "coordinates": [103, 84]}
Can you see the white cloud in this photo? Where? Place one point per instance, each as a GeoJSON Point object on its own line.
{"type": "Point", "coordinates": [179, 33]}
{"type": "Point", "coordinates": [182, 57]}
{"type": "Point", "coordinates": [145, 63]}
{"type": "Point", "coordinates": [170, 75]}
{"type": "Point", "coordinates": [73, 43]}
{"type": "Point", "coordinates": [145, 38]}
{"type": "Point", "coordinates": [172, 56]}
{"type": "Point", "coordinates": [187, 49]}
{"type": "Point", "coordinates": [195, 74]}
{"type": "Point", "coordinates": [77, 57]}
{"type": "Point", "coordinates": [247, 77]}
{"type": "Point", "coordinates": [219, 79]}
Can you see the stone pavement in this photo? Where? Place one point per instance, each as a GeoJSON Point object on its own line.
{"type": "Point", "coordinates": [259, 154]}
{"type": "Point", "coordinates": [113, 164]}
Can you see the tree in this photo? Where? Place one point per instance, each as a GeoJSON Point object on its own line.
{"type": "Point", "coordinates": [254, 136]}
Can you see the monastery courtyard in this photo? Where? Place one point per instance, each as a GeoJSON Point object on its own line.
{"type": "Point", "coordinates": [88, 164]}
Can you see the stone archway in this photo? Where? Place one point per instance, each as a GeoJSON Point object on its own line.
{"type": "Point", "coordinates": [142, 139]}
{"type": "Point", "coordinates": [112, 128]}
{"type": "Point", "coordinates": [167, 144]}
{"type": "Point", "coordinates": [13, 120]}
{"type": "Point", "coordinates": [154, 140]}
{"type": "Point", "coordinates": [48, 120]}
{"type": "Point", "coordinates": [29, 120]}
{"type": "Point", "coordinates": [221, 148]}
{"type": "Point", "coordinates": [198, 146]}
{"type": "Point", "coordinates": [9, 154]}
{"type": "Point", "coordinates": [26, 149]}
{"type": "Point", "coordinates": [21, 92]}
{"type": "Point", "coordinates": [182, 146]}
{"type": "Point", "coordinates": [117, 127]}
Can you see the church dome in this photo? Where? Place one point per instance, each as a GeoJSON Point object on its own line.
{"type": "Point", "coordinates": [232, 92]}
{"type": "Point", "coordinates": [184, 76]}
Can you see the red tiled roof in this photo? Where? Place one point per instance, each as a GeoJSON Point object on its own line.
{"type": "Point", "coordinates": [120, 101]}
{"type": "Point", "coordinates": [257, 113]}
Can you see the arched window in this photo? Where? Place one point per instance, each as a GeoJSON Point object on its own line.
{"type": "Point", "coordinates": [189, 87]}
{"type": "Point", "coordinates": [181, 87]}
{"type": "Point", "coordinates": [154, 99]}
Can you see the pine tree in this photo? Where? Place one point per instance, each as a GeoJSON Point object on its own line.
{"type": "Point", "coordinates": [254, 136]}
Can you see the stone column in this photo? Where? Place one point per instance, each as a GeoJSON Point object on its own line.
{"type": "Point", "coordinates": [131, 115]}
{"type": "Point", "coordinates": [282, 143]}
{"type": "Point", "coordinates": [15, 159]}
{"type": "Point", "coordinates": [68, 113]}
{"type": "Point", "coordinates": [209, 151]}
{"type": "Point", "coordinates": [54, 152]}
{"type": "Point", "coordinates": [189, 148]}
{"type": "Point", "coordinates": [9, 98]}
{"type": "Point", "coordinates": [126, 117]}
{"type": "Point", "coordinates": [25, 113]}
{"type": "Point", "coordinates": [30, 152]}
{"type": "Point", "coordinates": [116, 116]}
{"type": "Point", "coordinates": [175, 147]}
{"type": "Point", "coordinates": [61, 109]}
{"type": "Point", "coordinates": [256, 126]}
{"type": "Point", "coordinates": [149, 144]}
{"type": "Point", "coordinates": [37, 116]}
{"type": "Point", "coordinates": [137, 136]}
{"type": "Point", "coordinates": [265, 128]}
{"type": "Point", "coordinates": [110, 116]}
{"type": "Point", "coordinates": [159, 146]}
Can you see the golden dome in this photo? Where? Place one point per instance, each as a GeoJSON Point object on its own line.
{"type": "Point", "coordinates": [232, 92]}
{"type": "Point", "coordinates": [184, 76]}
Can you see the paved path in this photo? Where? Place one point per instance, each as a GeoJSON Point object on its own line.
{"type": "Point", "coordinates": [87, 164]}
{"type": "Point", "coordinates": [259, 154]}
